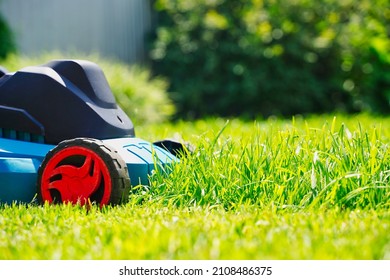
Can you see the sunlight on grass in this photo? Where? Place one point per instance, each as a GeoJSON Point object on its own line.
{"type": "Point", "coordinates": [305, 188]}
{"type": "Point", "coordinates": [289, 164]}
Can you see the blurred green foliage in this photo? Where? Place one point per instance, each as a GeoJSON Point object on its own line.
{"type": "Point", "coordinates": [7, 43]}
{"type": "Point", "coordinates": [143, 97]}
{"type": "Point", "coordinates": [274, 57]}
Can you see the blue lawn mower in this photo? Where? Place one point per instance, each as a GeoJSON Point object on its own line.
{"type": "Point", "coordinates": [64, 139]}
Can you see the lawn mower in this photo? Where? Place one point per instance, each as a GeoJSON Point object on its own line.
{"type": "Point", "coordinates": [64, 139]}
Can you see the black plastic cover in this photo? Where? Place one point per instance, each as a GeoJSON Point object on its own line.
{"type": "Point", "coordinates": [3, 71]}
{"type": "Point", "coordinates": [19, 120]}
{"type": "Point", "coordinates": [64, 99]}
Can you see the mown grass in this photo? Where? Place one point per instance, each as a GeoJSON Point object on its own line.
{"type": "Point", "coordinates": [306, 188]}
{"type": "Point", "coordinates": [152, 232]}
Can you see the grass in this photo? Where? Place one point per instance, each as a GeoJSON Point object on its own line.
{"type": "Point", "coordinates": [306, 188]}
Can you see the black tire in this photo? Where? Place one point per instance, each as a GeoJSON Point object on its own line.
{"type": "Point", "coordinates": [83, 170]}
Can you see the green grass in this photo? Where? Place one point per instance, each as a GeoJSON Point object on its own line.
{"type": "Point", "coordinates": [313, 188]}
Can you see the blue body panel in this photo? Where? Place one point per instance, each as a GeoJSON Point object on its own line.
{"type": "Point", "coordinates": [19, 163]}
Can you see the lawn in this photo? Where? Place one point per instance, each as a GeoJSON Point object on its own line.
{"type": "Point", "coordinates": [303, 188]}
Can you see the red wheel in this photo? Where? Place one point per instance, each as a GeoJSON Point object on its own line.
{"type": "Point", "coordinates": [82, 170]}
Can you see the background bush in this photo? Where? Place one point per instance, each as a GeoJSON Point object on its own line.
{"type": "Point", "coordinates": [142, 97]}
{"type": "Point", "coordinates": [265, 57]}
{"type": "Point", "coordinates": [7, 43]}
